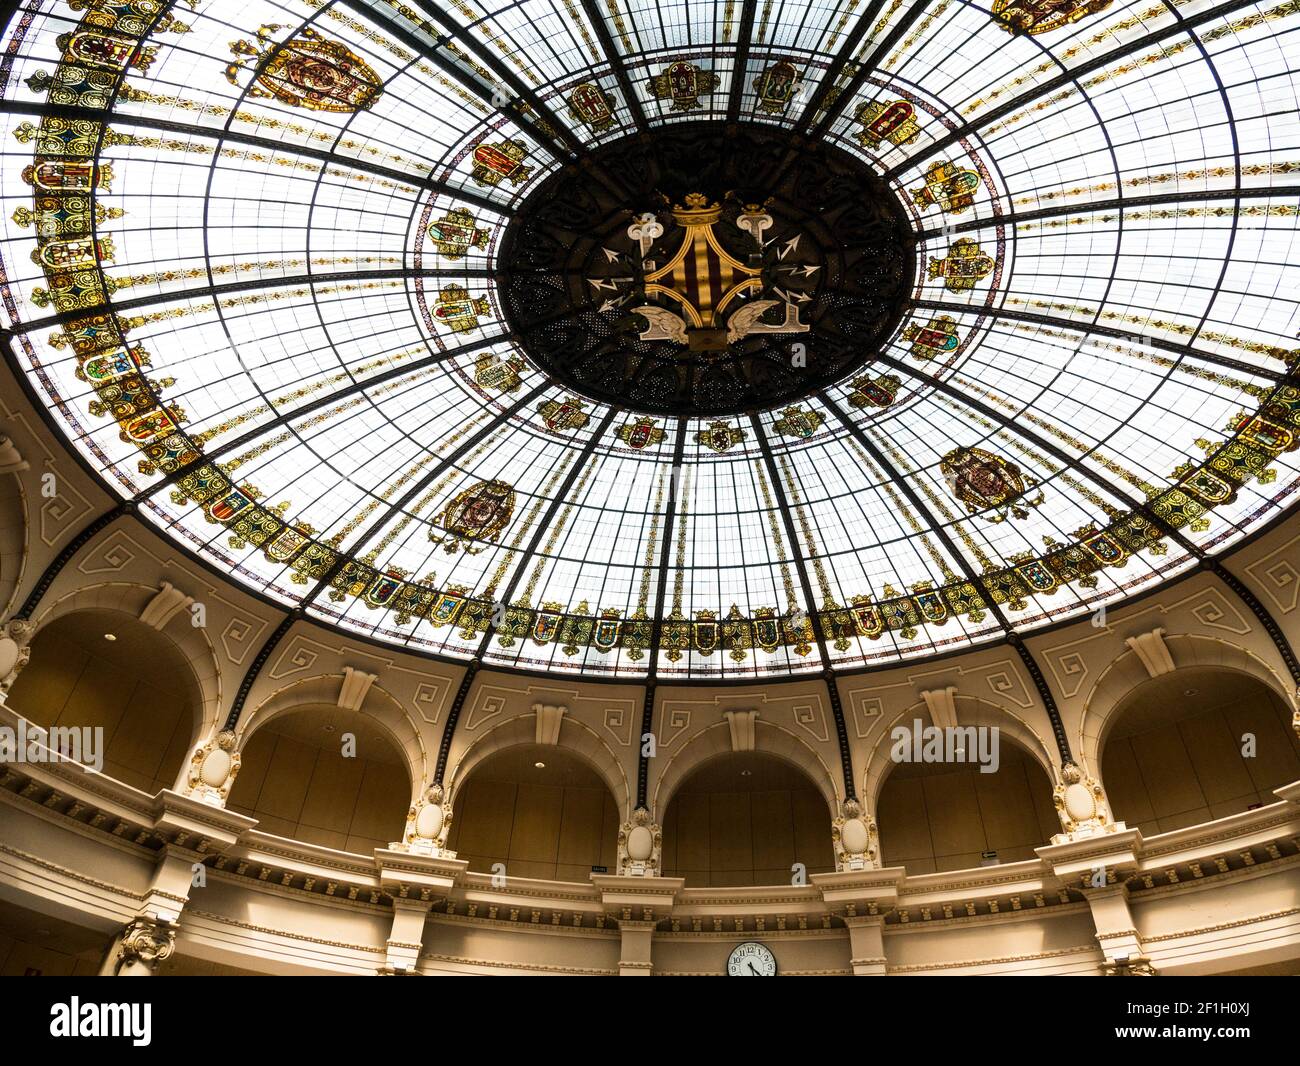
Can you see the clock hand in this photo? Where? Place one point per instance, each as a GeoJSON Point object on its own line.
{"type": "Point", "coordinates": [752, 970]}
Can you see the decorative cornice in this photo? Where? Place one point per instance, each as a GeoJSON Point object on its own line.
{"type": "Point", "coordinates": [537, 967]}
{"type": "Point", "coordinates": [221, 919]}
{"type": "Point", "coordinates": [73, 875]}
{"type": "Point", "coordinates": [1089, 950]}
{"type": "Point", "coordinates": [609, 931]}
{"type": "Point", "coordinates": [1238, 924]}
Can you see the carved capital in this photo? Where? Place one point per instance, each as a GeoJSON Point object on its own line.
{"type": "Point", "coordinates": [1129, 966]}
{"type": "Point", "coordinates": [145, 942]}
{"type": "Point", "coordinates": [164, 606]}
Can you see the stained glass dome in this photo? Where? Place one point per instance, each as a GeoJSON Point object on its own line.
{"type": "Point", "coordinates": [685, 340]}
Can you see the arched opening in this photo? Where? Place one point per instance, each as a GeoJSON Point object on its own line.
{"type": "Point", "coordinates": [746, 819]}
{"type": "Point", "coordinates": [540, 810]}
{"type": "Point", "coordinates": [106, 670]}
{"type": "Point", "coordinates": [302, 779]}
{"type": "Point", "coordinates": [1177, 750]}
{"type": "Point", "coordinates": [936, 816]}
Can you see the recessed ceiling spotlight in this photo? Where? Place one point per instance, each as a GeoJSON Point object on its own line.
{"type": "Point", "coordinates": [1191, 691]}
{"type": "Point", "coordinates": [745, 773]}
{"type": "Point", "coordinates": [328, 727]}
{"type": "Point", "coordinates": [540, 765]}
{"type": "Point", "coordinates": [110, 636]}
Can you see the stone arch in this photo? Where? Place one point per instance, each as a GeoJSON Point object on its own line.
{"type": "Point", "coordinates": [1127, 673]}
{"type": "Point", "coordinates": [576, 738]}
{"type": "Point", "coordinates": [379, 706]}
{"type": "Point", "coordinates": [945, 816]}
{"type": "Point", "coordinates": [94, 663]}
{"type": "Point", "coordinates": [971, 710]}
{"type": "Point", "coordinates": [130, 599]}
{"type": "Point", "coordinates": [769, 739]}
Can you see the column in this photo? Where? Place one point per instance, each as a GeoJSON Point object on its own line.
{"type": "Point", "coordinates": [138, 949]}
{"type": "Point", "coordinates": [1099, 867]}
{"type": "Point", "coordinates": [415, 882]}
{"type": "Point", "coordinates": [638, 905]}
{"type": "Point", "coordinates": [862, 898]}
{"type": "Point", "coordinates": [194, 832]}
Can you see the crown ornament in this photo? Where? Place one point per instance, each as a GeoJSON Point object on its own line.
{"type": "Point", "coordinates": [698, 211]}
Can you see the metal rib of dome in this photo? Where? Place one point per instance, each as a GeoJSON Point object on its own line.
{"type": "Point", "coordinates": [551, 333]}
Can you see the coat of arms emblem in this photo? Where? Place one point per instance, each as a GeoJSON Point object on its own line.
{"type": "Point", "coordinates": [963, 267]}
{"type": "Point", "coordinates": [719, 436]}
{"type": "Point", "coordinates": [893, 121]}
{"type": "Point", "coordinates": [455, 234]}
{"type": "Point", "coordinates": [590, 103]}
{"type": "Point", "coordinates": [477, 514]}
{"type": "Point", "coordinates": [1042, 16]}
{"type": "Point", "coordinates": [875, 392]}
{"type": "Point", "coordinates": [310, 71]}
{"type": "Point", "coordinates": [495, 163]}
{"type": "Point", "coordinates": [683, 83]}
{"type": "Point", "coordinates": [459, 311]}
{"type": "Point", "coordinates": [706, 295]}
{"type": "Point", "coordinates": [950, 187]}
{"type": "Point", "coordinates": [495, 374]}
{"type": "Point", "coordinates": [776, 86]}
{"type": "Point", "coordinates": [931, 341]}
{"type": "Point", "coordinates": [797, 422]}
{"type": "Point", "coordinates": [562, 415]}
{"type": "Point", "coordinates": [983, 481]}
{"type": "Point", "coordinates": [640, 434]}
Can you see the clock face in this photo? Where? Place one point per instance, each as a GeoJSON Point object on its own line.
{"type": "Point", "coordinates": [751, 960]}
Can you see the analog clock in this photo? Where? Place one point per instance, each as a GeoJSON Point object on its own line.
{"type": "Point", "coordinates": [751, 960]}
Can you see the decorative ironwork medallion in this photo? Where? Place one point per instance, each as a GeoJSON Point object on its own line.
{"type": "Point", "coordinates": [698, 294]}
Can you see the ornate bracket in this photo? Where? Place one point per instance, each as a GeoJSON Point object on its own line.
{"type": "Point", "coordinates": [640, 846]}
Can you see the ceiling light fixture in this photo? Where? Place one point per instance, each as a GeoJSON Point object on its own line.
{"type": "Point", "coordinates": [110, 636]}
{"type": "Point", "coordinates": [540, 765]}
